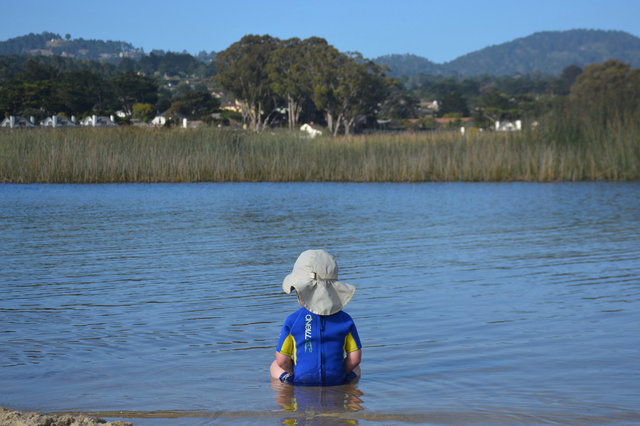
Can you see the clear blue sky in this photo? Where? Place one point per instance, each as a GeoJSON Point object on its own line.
{"type": "Point", "coordinates": [438, 30]}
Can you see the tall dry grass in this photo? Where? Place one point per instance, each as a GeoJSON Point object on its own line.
{"type": "Point", "coordinates": [544, 154]}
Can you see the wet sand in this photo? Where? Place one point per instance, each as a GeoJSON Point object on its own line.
{"type": "Point", "coordinates": [180, 418]}
{"type": "Point", "coordinates": [20, 418]}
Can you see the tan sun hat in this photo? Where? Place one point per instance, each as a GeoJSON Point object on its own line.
{"type": "Point", "coordinates": [315, 280]}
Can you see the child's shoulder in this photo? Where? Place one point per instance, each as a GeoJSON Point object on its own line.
{"type": "Point", "coordinates": [341, 316]}
{"type": "Point", "coordinates": [297, 314]}
{"type": "Point", "coordinates": [302, 313]}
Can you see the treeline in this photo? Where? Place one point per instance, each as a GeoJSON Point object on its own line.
{"type": "Point", "coordinates": [314, 82]}
{"type": "Point", "coordinates": [268, 75]}
{"type": "Point", "coordinates": [24, 44]}
{"type": "Point", "coordinates": [288, 82]}
{"type": "Point", "coordinates": [42, 86]}
{"type": "Point", "coordinates": [488, 99]}
{"type": "Point", "coordinates": [158, 63]}
{"type": "Point", "coordinates": [48, 43]}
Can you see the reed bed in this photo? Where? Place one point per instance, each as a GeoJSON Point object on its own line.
{"type": "Point", "coordinates": [222, 155]}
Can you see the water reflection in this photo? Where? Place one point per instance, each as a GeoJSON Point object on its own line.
{"type": "Point", "coordinates": [315, 404]}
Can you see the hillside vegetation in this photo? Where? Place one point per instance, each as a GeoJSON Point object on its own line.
{"type": "Point", "coordinates": [51, 44]}
{"type": "Point", "coordinates": [263, 83]}
{"type": "Point", "coordinates": [546, 52]}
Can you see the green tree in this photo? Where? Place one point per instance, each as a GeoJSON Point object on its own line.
{"type": "Point", "coordinates": [400, 102]}
{"type": "Point", "coordinates": [323, 62]}
{"type": "Point", "coordinates": [562, 85]}
{"type": "Point", "coordinates": [35, 71]}
{"type": "Point", "coordinates": [164, 99]}
{"type": "Point", "coordinates": [453, 102]}
{"type": "Point", "coordinates": [81, 92]}
{"type": "Point", "coordinates": [130, 88]}
{"type": "Point", "coordinates": [196, 105]}
{"type": "Point", "coordinates": [143, 111]}
{"type": "Point", "coordinates": [31, 90]}
{"type": "Point", "coordinates": [243, 70]}
{"type": "Point", "coordinates": [362, 88]}
{"type": "Point", "coordinates": [492, 106]}
{"type": "Point", "coordinates": [608, 91]}
{"type": "Point", "coordinates": [286, 72]}
{"type": "Point", "coordinates": [344, 86]}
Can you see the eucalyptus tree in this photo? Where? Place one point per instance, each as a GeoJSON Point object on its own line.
{"type": "Point", "coordinates": [606, 91]}
{"type": "Point", "coordinates": [322, 67]}
{"type": "Point", "coordinates": [243, 70]}
{"type": "Point", "coordinates": [361, 90]}
{"type": "Point", "coordinates": [288, 79]}
{"type": "Point", "coordinates": [261, 71]}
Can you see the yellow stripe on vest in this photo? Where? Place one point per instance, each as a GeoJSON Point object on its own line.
{"type": "Point", "coordinates": [289, 347]}
{"type": "Point", "coordinates": [350, 344]}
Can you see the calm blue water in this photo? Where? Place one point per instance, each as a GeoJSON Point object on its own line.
{"type": "Point", "coordinates": [476, 303]}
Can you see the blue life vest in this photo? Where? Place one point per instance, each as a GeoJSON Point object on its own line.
{"type": "Point", "coordinates": [317, 345]}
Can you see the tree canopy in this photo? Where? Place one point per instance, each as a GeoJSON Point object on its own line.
{"type": "Point", "coordinates": [269, 76]}
{"type": "Point", "coordinates": [40, 90]}
{"type": "Point", "coordinates": [609, 90]}
{"type": "Point", "coordinates": [242, 69]}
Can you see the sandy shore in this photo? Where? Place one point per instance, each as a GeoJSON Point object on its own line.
{"type": "Point", "coordinates": [19, 418]}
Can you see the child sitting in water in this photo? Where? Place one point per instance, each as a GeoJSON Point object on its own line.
{"type": "Point", "coordinates": [314, 339]}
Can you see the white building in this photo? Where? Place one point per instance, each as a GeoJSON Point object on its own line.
{"type": "Point", "coordinates": [98, 121]}
{"type": "Point", "coordinates": [14, 122]}
{"type": "Point", "coordinates": [56, 121]}
{"type": "Point", "coordinates": [508, 126]}
{"type": "Point", "coordinates": [159, 120]}
{"type": "Point", "coordinates": [310, 130]}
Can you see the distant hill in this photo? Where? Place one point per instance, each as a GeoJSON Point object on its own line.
{"type": "Point", "coordinates": [547, 52]}
{"type": "Point", "coordinates": [550, 52]}
{"type": "Point", "coordinates": [408, 65]}
{"type": "Point", "coordinates": [50, 44]}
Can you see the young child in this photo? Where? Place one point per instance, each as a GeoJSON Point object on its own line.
{"type": "Point", "coordinates": [319, 343]}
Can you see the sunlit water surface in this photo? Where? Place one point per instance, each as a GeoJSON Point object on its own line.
{"type": "Point", "coordinates": [476, 303]}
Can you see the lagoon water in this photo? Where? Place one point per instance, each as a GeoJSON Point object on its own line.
{"type": "Point", "coordinates": [476, 303]}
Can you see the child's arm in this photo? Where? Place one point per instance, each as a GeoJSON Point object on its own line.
{"type": "Point", "coordinates": [352, 361]}
{"type": "Point", "coordinates": [284, 362]}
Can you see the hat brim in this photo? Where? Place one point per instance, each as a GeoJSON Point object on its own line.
{"type": "Point", "coordinates": [322, 297]}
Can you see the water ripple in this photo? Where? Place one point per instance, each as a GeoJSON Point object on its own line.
{"type": "Point", "coordinates": [495, 297]}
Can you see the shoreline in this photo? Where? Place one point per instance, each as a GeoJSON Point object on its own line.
{"type": "Point", "coordinates": [474, 415]}
{"type": "Point", "coordinates": [10, 417]}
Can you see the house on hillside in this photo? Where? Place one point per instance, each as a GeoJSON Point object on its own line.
{"type": "Point", "coordinates": [56, 121]}
{"type": "Point", "coordinates": [159, 121]}
{"type": "Point", "coordinates": [14, 122]}
{"type": "Point", "coordinates": [508, 126]}
{"type": "Point", "coordinates": [192, 124]}
{"type": "Point", "coordinates": [310, 130]}
{"type": "Point", "coordinates": [98, 121]}
{"type": "Point", "coordinates": [235, 107]}
{"type": "Point", "coordinates": [430, 107]}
